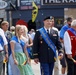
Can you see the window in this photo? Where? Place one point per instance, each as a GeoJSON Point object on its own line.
{"type": "Point", "coordinates": [59, 22]}
{"type": "Point", "coordinates": [14, 21]}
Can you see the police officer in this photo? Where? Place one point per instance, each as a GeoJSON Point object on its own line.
{"type": "Point", "coordinates": [44, 46]}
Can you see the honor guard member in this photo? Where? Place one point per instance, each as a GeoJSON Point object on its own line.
{"type": "Point", "coordinates": [45, 42]}
{"type": "Point", "coordinates": [70, 48]}
{"type": "Point", "coordinates": [62, 31]}
{"type": "Point", "coordinates": [3, 46]}
{"type": "Point", "coordinates": [57, 63]}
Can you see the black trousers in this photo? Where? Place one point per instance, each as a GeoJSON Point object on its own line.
{"type": "Point", "coordinates": [71, 66]}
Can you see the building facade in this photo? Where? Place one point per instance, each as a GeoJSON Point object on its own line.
{"type": "Point", "coordinates": [23, 10]}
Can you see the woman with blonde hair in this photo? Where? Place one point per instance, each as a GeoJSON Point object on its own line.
{"type": "Point", "coordinates": [27, 39]}
{"type": "Point", "coordinates": [20, 59]}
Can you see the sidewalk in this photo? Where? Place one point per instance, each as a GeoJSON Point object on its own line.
{"type": "Point", "coordinates": [36, 68]}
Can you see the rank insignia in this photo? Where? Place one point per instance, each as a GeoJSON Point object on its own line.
{"type": "Point", "coordinates": [41, 42]}
{"type": "Point", "coordinates": [54, 35]}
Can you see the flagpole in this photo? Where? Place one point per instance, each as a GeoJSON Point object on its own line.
{"type": "Point", "coordinates": [10, 18]}
{"type": "Point", "coordinates": [10, 13]}
{"type": "Point", "coordinates": [15, 9]}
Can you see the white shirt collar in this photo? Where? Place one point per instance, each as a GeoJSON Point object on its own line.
{"type": "Point", "coordinates": [46, 29]}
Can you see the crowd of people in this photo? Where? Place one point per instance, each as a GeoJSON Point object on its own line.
{"type": "Point", "coordinates": [47, 46]}
{"type": "Point", "coordinates": [15, 49]}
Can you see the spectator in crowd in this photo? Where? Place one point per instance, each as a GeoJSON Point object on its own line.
{"type": "Point", "coordinates": [32, 33]}
{"type": "Point", "coordinates": [5, 26]}
{"type": "Point", "coordinates": [8, 35]}
{"type": "Point", "coordinates": [12, 30]}
{"type": "Point", "coordinates": [28, 40]}
{"type": "Point", "coordinates": [3, 49]}
{"type": "Point", "coordinates": [62, 31]}
{"type": "Point", "coordinates": [53, 25]}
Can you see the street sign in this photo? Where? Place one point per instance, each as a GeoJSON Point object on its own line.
{"type": "Point", "coordinates": [59, 2]}
{"type": "Point", "coordinates": [27, 4]}
{"type": "Point", "coordinates": [3, 4]}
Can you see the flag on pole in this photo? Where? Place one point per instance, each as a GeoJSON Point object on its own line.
{"type": "Point", "coordinates": [34, 11]}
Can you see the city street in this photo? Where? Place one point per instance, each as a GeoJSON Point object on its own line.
{"type": "Point", "coordinates": [36, 68]}
{"type": "Point", "coordinates": [38, 29]}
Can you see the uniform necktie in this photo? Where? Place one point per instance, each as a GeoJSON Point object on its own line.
{"type": "Point", "coordinates": [47, 31]}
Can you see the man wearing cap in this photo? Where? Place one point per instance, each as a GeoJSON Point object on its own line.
{"type": "Point", "coordinates": [44, 47]}
{"type": "Point", "coordinates": [62, 32]}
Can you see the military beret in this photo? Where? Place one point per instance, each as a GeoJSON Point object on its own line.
{"type": "Point", "coordinates": [48, 17]}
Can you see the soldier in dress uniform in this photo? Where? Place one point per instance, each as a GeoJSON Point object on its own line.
{"type": "Point", "coordinates": [45, 42]}
{"type": "Point", "coordinates": [70, 48]}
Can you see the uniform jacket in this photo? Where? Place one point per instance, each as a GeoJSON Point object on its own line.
{"type": "Point", "coordinates": [40, 48]}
